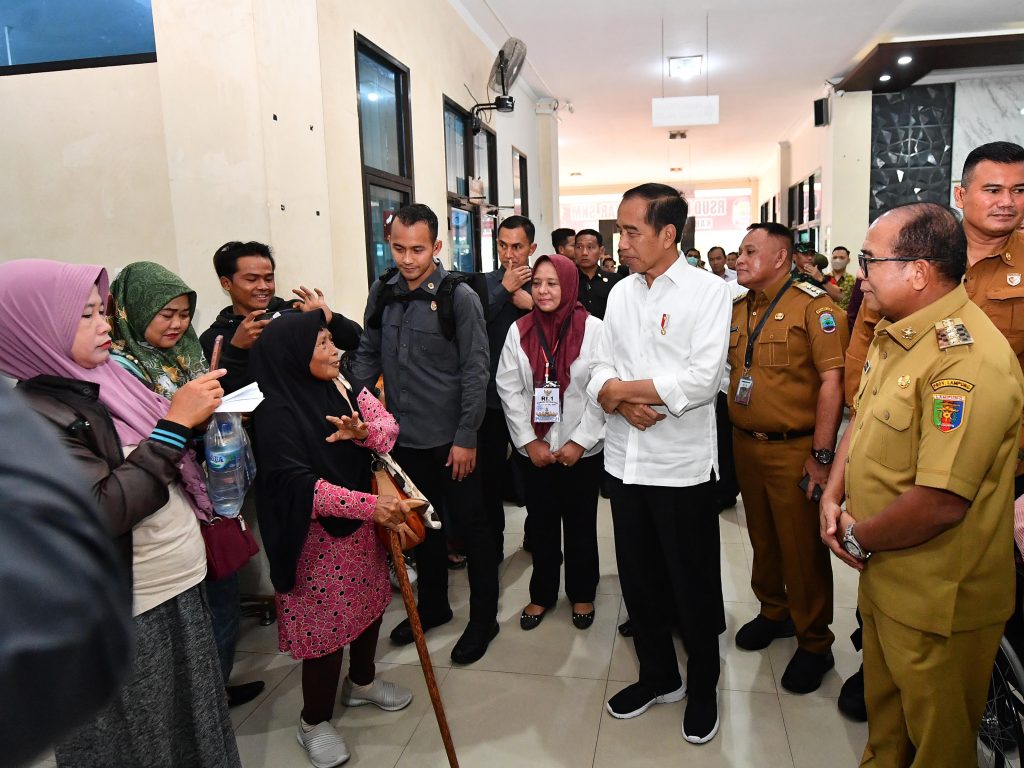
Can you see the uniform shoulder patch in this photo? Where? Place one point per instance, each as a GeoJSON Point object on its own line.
{"type": "Point", "coordinates": [828, 322]}
{"type": "Point", "coordinates": [952, 332]}
{"type": "Point", "coordinates": [811, 290]}
{"type": "Point", "coordinates": [948, 411]}
{"type": "Point", "coordinates": [740, 297]}
{"type": "Point", "coordinates": [966, 386]}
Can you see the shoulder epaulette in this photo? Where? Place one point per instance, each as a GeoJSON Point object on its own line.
{"type": "Point", "coordinates": [740, 297]}
{"type": "Point", "coordinates": [811, 290]}
{"type": "Point", "coordinates": [952, 332]}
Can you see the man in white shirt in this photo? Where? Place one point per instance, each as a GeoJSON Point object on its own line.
{"type": "Point", "coordinates": [659, 365]}
{"type": "Point", "coordinates": [716, 260]}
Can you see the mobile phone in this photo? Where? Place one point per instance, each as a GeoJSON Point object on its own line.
{"type": "Point", "coordinates": [816, 496]}
{"type": "Point", "coordinates": [218, 344]}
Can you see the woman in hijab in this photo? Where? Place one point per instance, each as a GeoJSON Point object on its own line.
{"type": "Point", "coordinates": [129, 444]}
{"type": "Point", "coordinates": [558, 430]}
{"type": "Point", "coordinates": [151, 327]}
{"type": "Point", "coordinates": [153, 339]}
{"type": "Point", "coordinates": [317, 514]}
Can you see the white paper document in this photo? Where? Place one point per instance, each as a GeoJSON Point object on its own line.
{"type": "Point", "coordinates": [244, 400]}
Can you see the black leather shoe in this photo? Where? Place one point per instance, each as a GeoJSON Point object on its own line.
{"type": "Point", "coordinates": [474, 641]}
{"type": "Point", "coordinates": [805, 670]}
{"type": "Point", "coordinates": [759, 633]}
{"type": "Point", "coordinates": [582, 620]}
{"type": "Point", "coordinates": [530, 621]}
{"type": "Point", "coordinates": [851, 697]}
{"type": "Point", "coordinates": [402, 634]}
{"type": "Point", "coordinates": [244, 693]}
{"type": "Point", "coordinates": [626, 628]}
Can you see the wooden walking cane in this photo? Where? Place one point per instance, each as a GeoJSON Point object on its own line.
{"type": "Point", "coordinates": [421, 646]}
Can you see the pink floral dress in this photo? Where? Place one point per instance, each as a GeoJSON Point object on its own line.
{"type": "Point", "coordinates": [341, 585]}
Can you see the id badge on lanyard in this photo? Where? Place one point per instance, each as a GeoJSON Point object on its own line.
{"type": "Point", "coordinates": [547, 407]}
{"type": "Point", "coordinates": [743, 388]}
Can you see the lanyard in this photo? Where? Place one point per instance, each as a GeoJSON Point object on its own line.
{"type": "Point", "coordinates": [752, 335]}
{"type": "Point", "coordinates": [549, 355]}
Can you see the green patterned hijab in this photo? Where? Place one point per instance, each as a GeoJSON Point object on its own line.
{"type": "Point", "coordinates": [140, 291]}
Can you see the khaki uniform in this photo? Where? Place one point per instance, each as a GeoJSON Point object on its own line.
{"type": "Point", "coordinates": [804, 336]}
{"type": "Point", "coordinates": [939, 406]}
{"type": "Point", "coordinates": [995, 283]}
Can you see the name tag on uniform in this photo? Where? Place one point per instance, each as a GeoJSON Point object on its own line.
{"type": "Point", "coordinates": [547, 408]}
{"type": "Point", "coordinates": [743, 389]}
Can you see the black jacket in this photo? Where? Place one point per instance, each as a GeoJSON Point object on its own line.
{"type": "Point", "coordinates": [125, 490]}
{"type": "Point", "coordinates": [67, 631]}
{"type": "Point", "coordinates": [345, 332]}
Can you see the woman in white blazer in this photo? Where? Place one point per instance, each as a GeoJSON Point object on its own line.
{"type": "Point", "coordinates": [558, 431]}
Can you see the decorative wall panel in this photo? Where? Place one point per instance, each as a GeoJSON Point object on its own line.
{"type": "Point", "coordinates": [911, 147]}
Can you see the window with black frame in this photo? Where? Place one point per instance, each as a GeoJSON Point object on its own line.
{"type": "Point", "coordinates": [385, 141]}
{"type": "Point", "coordinates": [44, 36]}
{"type": "Point", "coordinates": [472, 183]}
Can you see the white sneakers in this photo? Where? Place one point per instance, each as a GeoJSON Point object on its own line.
{"type": "Point", "coordinates": [380, 693]}
{"type": "Point", "coordinates": [324, 745]}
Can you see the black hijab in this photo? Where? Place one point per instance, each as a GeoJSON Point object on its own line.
{"type": "Point", "coordinates": [291, 449]}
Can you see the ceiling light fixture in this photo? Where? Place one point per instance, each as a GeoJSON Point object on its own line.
{"type": "Point", "coordinates": [677, 135]}
{"type": "Point", "coordinates": [675, 169]}
{"type": "Point", "coordinates": [685, 67]}
{"type": "Point", "coordinates": [904, 60]}
{"type": "Point", "coordinates": [1022, 110]}
{"type": "Point", "coordinates": [885, 78]}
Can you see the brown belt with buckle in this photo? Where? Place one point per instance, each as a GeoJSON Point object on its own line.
{"type": "Point", "coordinates": [777, 437]}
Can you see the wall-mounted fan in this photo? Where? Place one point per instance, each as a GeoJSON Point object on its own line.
{"type": "Point", "coordinates": [507, 66]}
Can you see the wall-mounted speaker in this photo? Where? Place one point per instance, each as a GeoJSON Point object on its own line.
{"type": "Point", "coordinates": [821, 112]}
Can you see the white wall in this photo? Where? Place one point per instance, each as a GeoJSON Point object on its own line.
{"type": "Point", "coordinates": [167, 161]}
{"type": "Point", "coordinates": [846, 177]}
{"type": "Point", "coordinates": [985, 110]}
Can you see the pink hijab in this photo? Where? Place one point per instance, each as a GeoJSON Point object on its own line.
{"type": "Point", "coordinates": [40, 306]}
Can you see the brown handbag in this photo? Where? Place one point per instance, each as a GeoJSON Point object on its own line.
{"type": "Point", "coordinates": [412, 531]}
{"type": "Point", "coordinates": [229, 545]}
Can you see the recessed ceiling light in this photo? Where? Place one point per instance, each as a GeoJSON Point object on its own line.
{"type": "Point", "coordinates": [885, 78]}
{"type": "Point", "coordinates": [675, 169]}
{"type": "Point", "coordinates": [1022, 110]}
{"type": "Point", "coordinates": [685, 67]}
{"type": "Point", "coordinates": [904, 60]}
{"type": "Point", "coordinates": [575, 173]}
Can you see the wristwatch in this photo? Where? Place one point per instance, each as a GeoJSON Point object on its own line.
{"type": "Point", "coordinates": [852, 546]}
{"type": "Point", "coordinates": [823, 455]}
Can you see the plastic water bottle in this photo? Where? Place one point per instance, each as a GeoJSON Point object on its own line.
{"type": "Point", "coordinates": [225, 465]}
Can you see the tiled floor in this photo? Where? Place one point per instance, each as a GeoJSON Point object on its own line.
{"type": "Point", "coordinates": [537, 699]}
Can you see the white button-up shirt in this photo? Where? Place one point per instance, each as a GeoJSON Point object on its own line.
{"type": "Point", "coordinates": [582, 418]}
{"type": "Point", "coordinates": [676, 332]}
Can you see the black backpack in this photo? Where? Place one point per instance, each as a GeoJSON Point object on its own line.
{"type": "Point", "coordinates": [445, 297]}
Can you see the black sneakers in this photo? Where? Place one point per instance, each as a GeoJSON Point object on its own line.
{"type": "Point", "coordinates": [804, 672]}
{"type": "Point", "coordinates": [700, 721]}
{"type": "Point", "coordinates": [759, 633]}
{"type": "Point", "coordinates": [635, 699]}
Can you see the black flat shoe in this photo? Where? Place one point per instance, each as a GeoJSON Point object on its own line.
{"type": "Point", "coordinates": [402, 634]}
{"type": "Point", "coordinates": [528, 621]}
{"type": "Point", "coordinates": [473, 643]}
{"type": "Point", "coordinates": [583, 620]}
{"type": "Point", "coordinates": [626, 628]}
{"type": "Point", "coordinates": [244, 693]}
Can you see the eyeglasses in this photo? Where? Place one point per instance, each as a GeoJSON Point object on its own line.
{"type": "Point", "coordinates": [865, 260]}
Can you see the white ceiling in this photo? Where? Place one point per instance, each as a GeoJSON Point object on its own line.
{"type": "Point", "coordinates": [767, 60]}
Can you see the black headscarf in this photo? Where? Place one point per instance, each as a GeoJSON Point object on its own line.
{"type": "Point", "coordinates": [291, 449]}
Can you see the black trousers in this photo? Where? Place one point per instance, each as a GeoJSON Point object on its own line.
{"type": "Point", "coordinates": [558, 497]}
{"type": "Point", "coordinates": [667, 547]}
{"type": "Point", "coordinates": [426, 467]}
{"type": "Point", "coordinates": [492, 454]}
{"type": "Point", "coordinates": [727, 486]}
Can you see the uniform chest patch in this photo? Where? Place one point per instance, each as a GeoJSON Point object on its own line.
{"type": "Point", "coordinates": [828, 322]}
{"type": "Point", "coordinates": [948, 411]}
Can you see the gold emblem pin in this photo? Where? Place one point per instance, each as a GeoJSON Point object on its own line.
{"type": "Point", "coordinates": [908, 333]}
{"type": "Point", "coordinates": [779, 315]}
{"type": "Point", "coordinates": [903, 382]}
{"type": "Point", "coordinates": [430, 286]}
{"type": "Point", "coordinates": [433, 306]}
